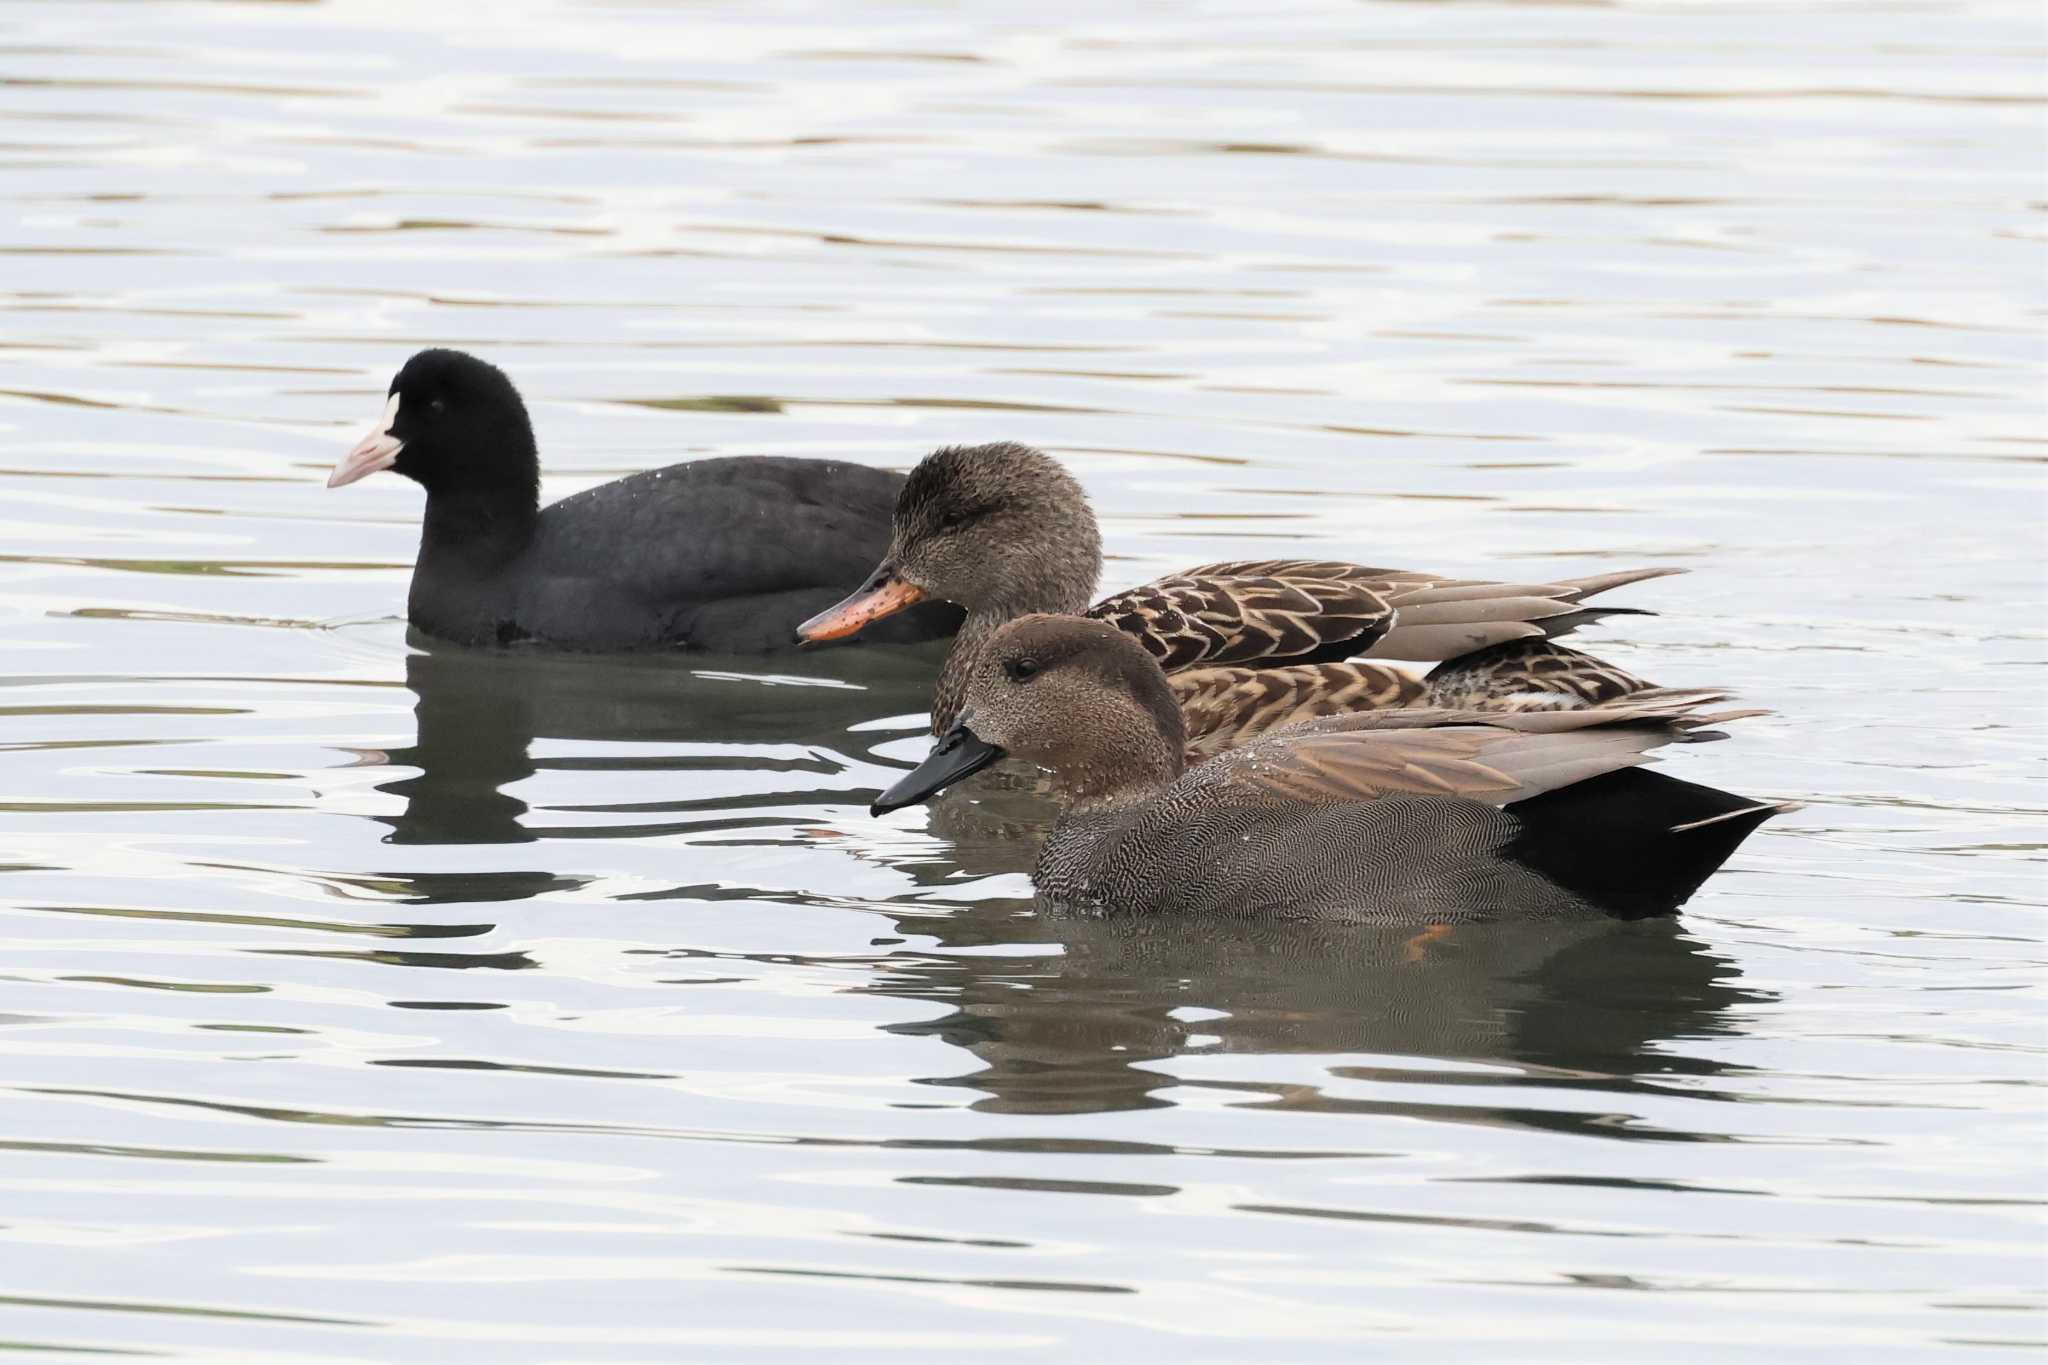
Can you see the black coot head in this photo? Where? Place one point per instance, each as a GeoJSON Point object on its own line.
{"type": "Point", "coordinates": [451, 423]}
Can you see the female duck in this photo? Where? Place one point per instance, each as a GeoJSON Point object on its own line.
{"type": "Point", "coordinates": [1004, 530]}
{"type": "Point", "coordinates": [1405, 815]}
{"type": "Point", "coordinates": [725, 554]}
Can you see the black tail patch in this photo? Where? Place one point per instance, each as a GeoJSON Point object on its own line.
{"type": "Point", "coordinates": [1612, 840]}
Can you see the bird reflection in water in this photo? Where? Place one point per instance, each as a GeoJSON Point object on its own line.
{"type": "Point", "coordinates": [480, 712]}
{"type": "Point", "coordinates": [1095, 1024]}
{"type": "Point", "coordinates": [1589, 1004]}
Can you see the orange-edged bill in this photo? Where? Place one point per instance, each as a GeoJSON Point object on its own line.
{"type": "Point", "coordinates": [884, 594]}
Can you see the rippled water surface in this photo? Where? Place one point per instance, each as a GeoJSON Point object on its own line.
{"type": "Point", "coordinates": [372, 1003]}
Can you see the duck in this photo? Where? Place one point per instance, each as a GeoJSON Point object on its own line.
{"type": "Point", "coordinates": [1005, 530]}
{"type": "Point", "coordinates": [1414, 815]}
{"type": "Point", "coordinates": [724, 555]}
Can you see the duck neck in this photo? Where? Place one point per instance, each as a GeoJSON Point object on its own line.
{"type": "Point", "coordinates": [1124, 759]}
{"type": "Point", "coordinates": [968, 642]}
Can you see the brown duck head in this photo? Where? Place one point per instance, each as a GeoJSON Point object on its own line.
{"type": "Point", "coordinates": [1000, 529]}
{"type": "Point", "coordinates": [1076, 696]}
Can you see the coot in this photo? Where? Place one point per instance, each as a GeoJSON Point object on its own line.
{"type": "Point", "coordinates": [721, 554]}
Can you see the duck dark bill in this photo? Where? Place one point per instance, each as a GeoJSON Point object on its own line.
{"type": "Point", "coordinates": [957, 754]}
{"type": "Point", "coordinates": [884, 594]}
{"type": "Point", "coordinates": [376, 451]}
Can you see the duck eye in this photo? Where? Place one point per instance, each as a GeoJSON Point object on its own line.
{"type": "Point", "coordinates": [437, 406]}
{"type": "Point", "coordinates": [1021, 670]}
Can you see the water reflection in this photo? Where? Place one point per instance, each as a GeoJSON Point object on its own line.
{"type": "Point", "coordinates": [1064, 1014]}
{"type": "Point", "coordinates": [480, 714]}
{"type": "Point", "coordinates": [1586, 1005]}
{"type": "Point", "coordinates": [1289, 309]}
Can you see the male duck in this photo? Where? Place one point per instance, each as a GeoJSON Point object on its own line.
{"type": "Point", "coordinates": [1403, 815]}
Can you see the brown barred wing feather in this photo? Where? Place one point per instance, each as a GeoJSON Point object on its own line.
{"type": "Point", "coordinates": [1540, 675]}
{"type": "Point", "coordinates": [1279, 612]}
{"type": "Point", "coordinates": [1266, 612]}
{"type": "Point", "coordinates": [1227, 706]}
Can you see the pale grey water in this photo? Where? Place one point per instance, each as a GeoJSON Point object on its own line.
{"type": "Point", "coordinates": [587, 1016]}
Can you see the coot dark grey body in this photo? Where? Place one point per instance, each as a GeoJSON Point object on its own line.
{"type": "Point", "coordinates": [725, 554]}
